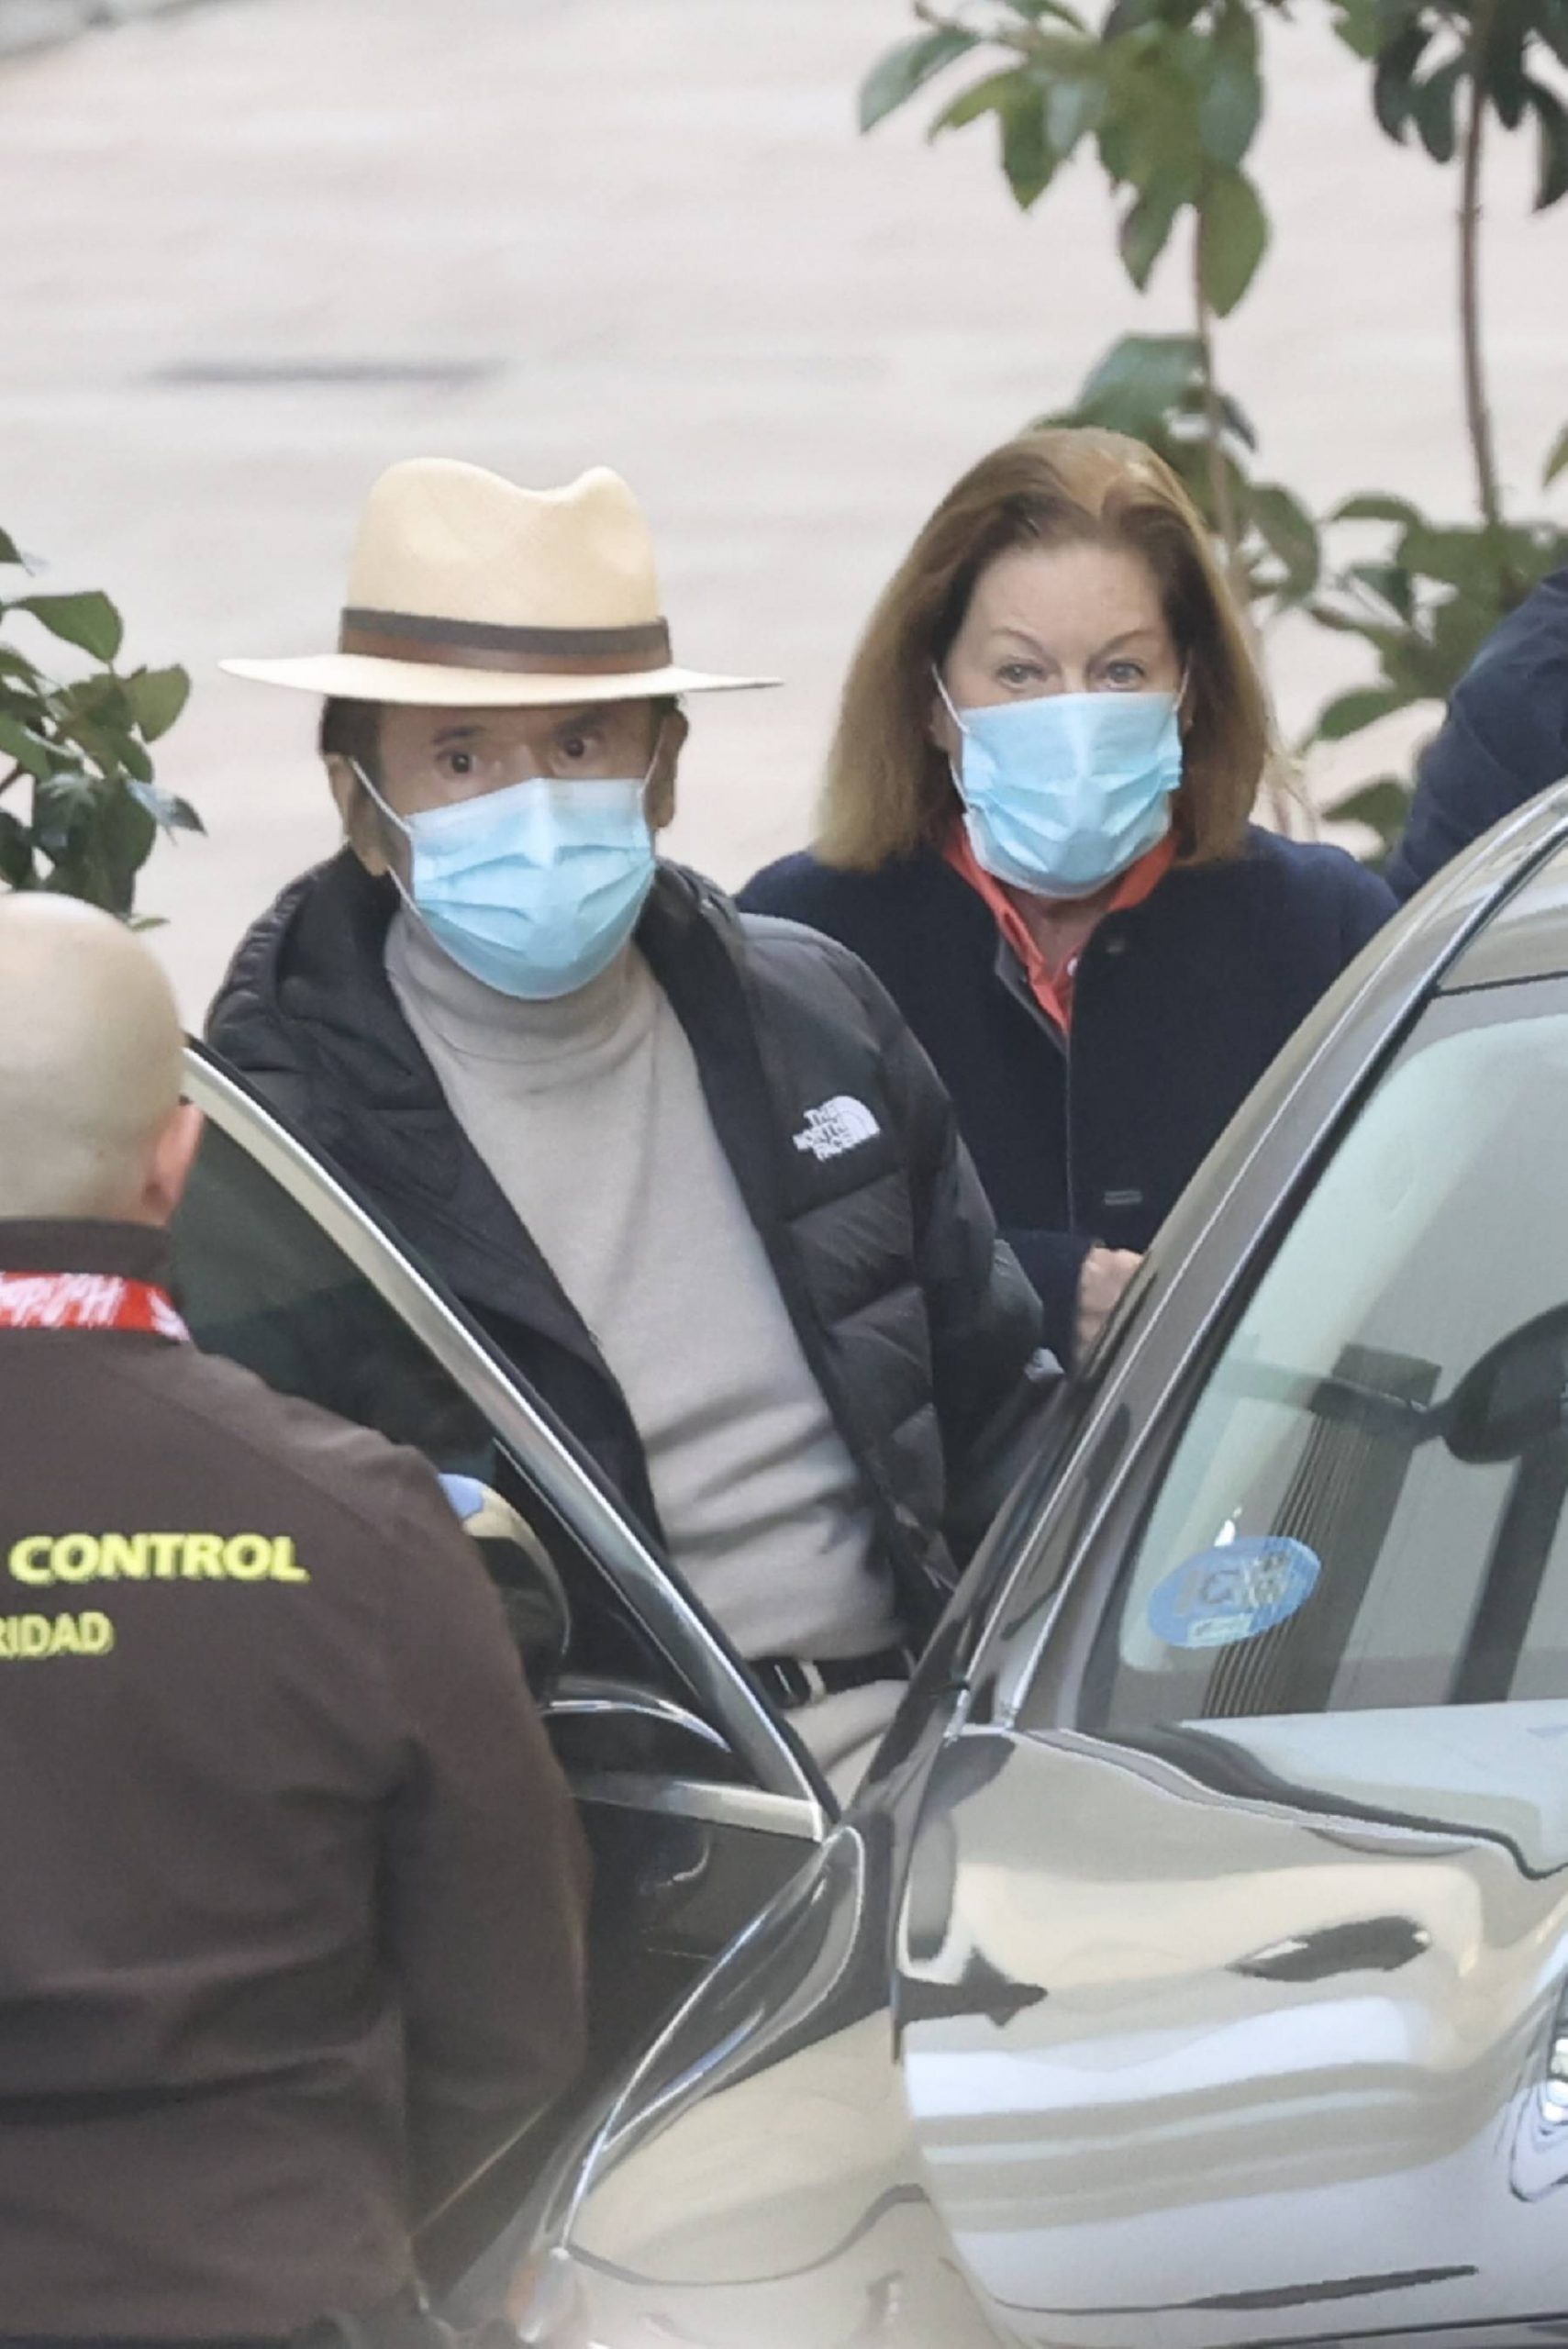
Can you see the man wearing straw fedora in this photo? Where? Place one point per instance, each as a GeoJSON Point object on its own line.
{"type": "Point", "coordinates": [688, 1168]}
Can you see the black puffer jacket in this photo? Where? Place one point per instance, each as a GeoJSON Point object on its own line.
{"type": "Point", "coordinates": [917, 1320]}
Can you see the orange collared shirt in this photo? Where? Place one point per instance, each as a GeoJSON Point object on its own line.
{"type": "Point", "coordinates": [1053, 993]}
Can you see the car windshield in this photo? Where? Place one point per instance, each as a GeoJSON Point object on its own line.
{"type": "Point", "coordinates": [1366, 1507]}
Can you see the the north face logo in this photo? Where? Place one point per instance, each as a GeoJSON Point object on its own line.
{"type": "Point", "coordinates": [838, 1125]}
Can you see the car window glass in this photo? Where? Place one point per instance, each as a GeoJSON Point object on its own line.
{"type": "Point", "coordinates": [1366, 1508]}
{"type": "Point", "coordinates": [260, 1282]}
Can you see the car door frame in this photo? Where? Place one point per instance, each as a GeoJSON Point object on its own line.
{"type": "Point", "coordinates": [787, 1796]}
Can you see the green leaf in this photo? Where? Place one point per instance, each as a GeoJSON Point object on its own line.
{"type": "Point", "coordinates": [15, 852]}
{"type": "Point", "coordinates": [99, 860]}
{"type": "Point", "coordinates": [26, 673]}
{"type": "Point", "coordinates": [1466, 559]}
{"type": "Point", "coordinates": [1191, 463]}
{"type": "Point", "coordinates": [1432, 110]}
{"type": "Point", "coordinates": [1503, 78]}
{"type": "Point", "coordinates": [1348, 713]}
{"type": "Point", "coordinates": [1372, 505]}
{"type": "Point", "coordinates": [1130, 16]}
{"type": "Point", "coordinates": [9, 552]}
{"type": "Point", "coordinates": [1029, 160]}
{"type": "Point", "coordinates": [63, 808]}
{"type": "Point", "coordinates": [1392, 585]}
{"type": "Point", "coordinates": [980, 97]}
{"type": "Point", "coordinates": [1551, 24]}
{"type": "Point", "coordinates": [89, 621]}
{"type": "Point", "coordinates": [895, 78]}
{"type": "Point", "coordinates": [102, 699]}
{"type": "Point", "coordinates": [1233, 234]}
{"type": "Point", "coordinates": [1142, 380]}
{"type": "Point", "coordinates": [110, 745]}
{"type": "Point", "coordinates": [1460, 626]}
{"type": "Point", "coordinates": [1422, 673]}
{"type": "Point", "coordinates": [1238, 421]}
{"type": "Point", "coordinates": [1557, 461]}
{"type": "Point", "coordinates": [1036, 11]}
{"type": "Point", "coordinates": [1335, 618]}
{"type": "Point", "coordinates": [1355, 23]}
{"type": "Point", "coordinates": [1231, 103]}
{"type": "Point", "coordinates": [1145, 370]}
{"type": "Point", "coordinates": [1384, 805]}
{"type": "Point", "coordinates": [1074, 106]}
{"type": "Point", "coordinates": [175, 815]}
{"type": "Point", "coordinates": [1146, 230]}
{"type": "Point", "coordinates": [1392, 90]}
{"type": "Point", "coordinates": [157, 697]}
{"type": "Point", "coordinates": [1551, 176]}
{"type": "Point", "coordinates": [23, 748]}
{"type": "Point", "coordinates": [1150, 129]}
{"type": "Point", "coordinates": [124, 840]}
{"type": "Point", "coordinates": [1393, 17]}
{"type": "Point", "coordinates": [1291, 536]}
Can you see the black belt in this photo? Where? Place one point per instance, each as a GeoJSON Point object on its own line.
{"type": "Point", "coordinates": [792, 1680]}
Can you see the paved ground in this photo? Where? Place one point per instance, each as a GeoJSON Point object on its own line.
{"type": "Point", "coordinates": [38, 24]}
{"type": "Point", "coordinates": [642, 231]}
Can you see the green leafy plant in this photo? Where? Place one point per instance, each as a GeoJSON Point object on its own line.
{"type": "Point", "coordinates": [1425, 603]}
{"type": "Point", "coordinates": [1154, 388]}
{"type": "Point", "coordinates": [1448, 71]}
{"type": "Point", "coordinates": [1444, 78]}
{"type": "Point", "coordinates": [80, 807]}
{"type": "Point", "coordinates": [1168, 96]}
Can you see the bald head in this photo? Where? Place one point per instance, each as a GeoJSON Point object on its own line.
{"type": "Point", "coordinates": [89, 1067]}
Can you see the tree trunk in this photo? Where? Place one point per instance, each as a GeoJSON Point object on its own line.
{"type": "Point", "coordinates": [1280, 796]}
{"type": "Point", "coordinates": [1220, 482]}
{"type": "Point", "coordinates": [1477, 416]}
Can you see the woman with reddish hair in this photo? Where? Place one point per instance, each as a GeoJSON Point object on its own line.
{"type": "Point", "coordinates": [1036, 830]}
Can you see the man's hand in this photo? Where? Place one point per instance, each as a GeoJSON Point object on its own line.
{"type": "Point", "coordinates": [1106, 1271]}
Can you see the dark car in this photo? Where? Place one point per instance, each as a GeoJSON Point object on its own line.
{"type": "Point", "coordinates": [1192, 1968]}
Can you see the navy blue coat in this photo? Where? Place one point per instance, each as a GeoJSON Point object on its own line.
{"type": "Point", "coordinates": [1505, 738]}
{"type": "Point", "coordinates": [1179, 1006]}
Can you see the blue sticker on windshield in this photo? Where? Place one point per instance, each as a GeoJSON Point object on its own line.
{"type": "Point", "coordinates": [1235, 1593]}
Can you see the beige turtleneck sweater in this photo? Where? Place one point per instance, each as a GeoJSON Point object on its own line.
{"type": "Point", "coordinates": [589, 1112]}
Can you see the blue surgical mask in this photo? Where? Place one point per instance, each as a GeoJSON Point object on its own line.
{"type": "Point", "coordinates": [1062, 793]}
{"type": "Point", "coordinates": [533, 889]}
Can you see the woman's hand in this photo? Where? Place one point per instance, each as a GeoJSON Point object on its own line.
{"type": "Point", "coordinates": [1106, 1271]}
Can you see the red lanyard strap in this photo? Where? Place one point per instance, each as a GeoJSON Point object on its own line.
{"type": "Point", "coordinates": [87, 1301]}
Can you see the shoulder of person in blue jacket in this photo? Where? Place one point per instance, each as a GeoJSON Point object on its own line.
{"type": "Point", "coordinates": [1328, 884]}
{"type": "Point", "coordinates": [1505, 738]}
{"type": "Point", "coordinates": [1325, 884]}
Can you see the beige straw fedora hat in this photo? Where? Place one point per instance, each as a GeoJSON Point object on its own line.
{"type": "Point", "coordinates": [467, 592]}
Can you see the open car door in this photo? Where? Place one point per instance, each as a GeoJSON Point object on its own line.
{"type": "Point", "coordinates": [697, 1802]}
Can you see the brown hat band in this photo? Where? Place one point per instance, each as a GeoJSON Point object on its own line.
{"type": "Point", "coordinates": [476, 644]}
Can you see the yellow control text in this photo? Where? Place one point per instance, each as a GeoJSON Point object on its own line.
{"type": "Point", "coordinates": [46, 1560]}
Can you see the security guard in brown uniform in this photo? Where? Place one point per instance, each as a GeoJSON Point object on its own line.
{"type": "Point", "coordinates": [292, 1926]}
